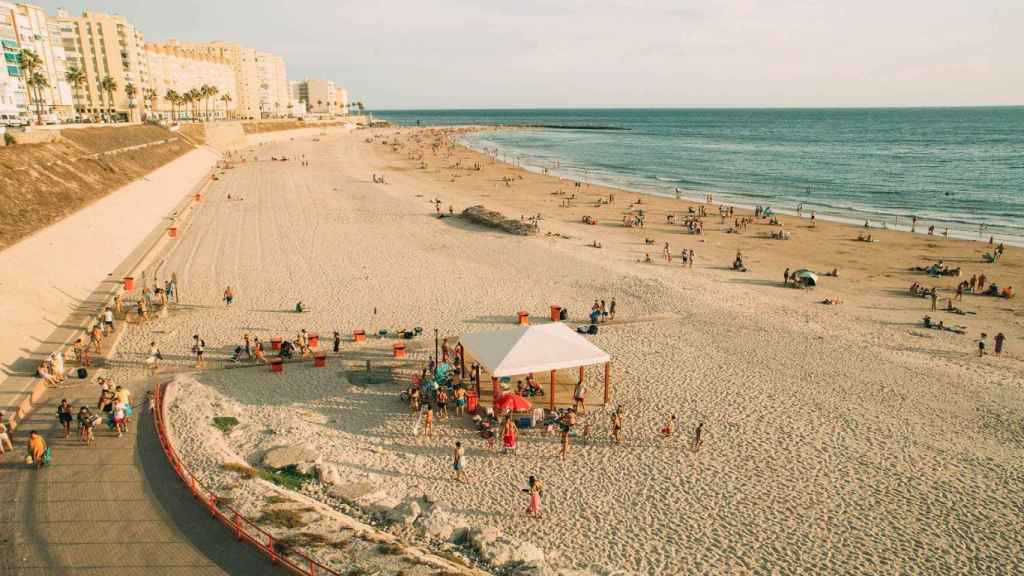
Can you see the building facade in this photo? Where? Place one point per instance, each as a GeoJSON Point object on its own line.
{"type": "Point", "coordinates": [31, 29]}
{"type": "Point", "coordinates": [272, 80]}
{"type": "Point", "coordinates": [105, 46]}
{"type": "Point", "coordinates": [245, 66]}
{"type": "Point", "coordinates": [321, 96]}
{"type": "Point", "coordinates": [13, 99]}
{"type": "Point", "coordinates": [173, 68]}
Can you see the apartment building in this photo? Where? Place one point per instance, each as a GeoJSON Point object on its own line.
{"type": "Point", "coordinates": [106, 46]}
{"type": "Point", "coordinates": [321, 96]}
{"type": "Point", "coordinates": [272, 80]}
{"type": "Point", "coordinates": [173, 68]}
{"type": "Point", "coordinates": [245, 66]}
{"type": "Point", "coordinates": [13, 99]}
{"type": "Point", "coordinates": [27, 27]}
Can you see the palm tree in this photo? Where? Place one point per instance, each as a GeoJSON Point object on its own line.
{"type": "Point", "coordinates": [108, 85]}
{"type": "Point", "coordinates": [30, 64]}
{"type": "Point", "coordinates": [225, 99]}
{"type": "Point", "coordinates": [172, 97]}
{"type": "Point", "coordinates": [359, 105]}
{"type": "Point", "coordinates": [37, 81]}
{"type": "Point", "coordinates": [187, 98]}
{"type": "Point", "coordinates": [209, 92]}
{"type": "Point", "coordinates": [129, 91]}
{"type": "Point", "coordinates": [149, 96]}
{"type": "Point", "coordinates": [76, 77]}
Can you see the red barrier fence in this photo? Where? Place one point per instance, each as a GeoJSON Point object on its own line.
{"type": "Point", "coordinates": [243, 528]}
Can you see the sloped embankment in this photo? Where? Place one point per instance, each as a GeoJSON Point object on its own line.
{"type": "Point", "coordinates": [43, 183]}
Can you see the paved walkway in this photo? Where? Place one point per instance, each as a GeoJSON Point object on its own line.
{"type": "Point", "coordinates": [115, 507]}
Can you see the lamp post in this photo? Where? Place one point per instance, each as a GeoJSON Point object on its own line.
{"type": "Point", "coordinates": [437, 356]}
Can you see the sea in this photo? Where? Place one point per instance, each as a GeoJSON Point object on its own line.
{"type": "Point", "coordinates": [960, 169]}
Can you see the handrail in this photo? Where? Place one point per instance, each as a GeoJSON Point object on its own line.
{"type": "Point", "coordinates": [244, 529]}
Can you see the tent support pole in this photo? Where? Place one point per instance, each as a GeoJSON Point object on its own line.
{"type": "Point", "coordinates": [607, 381]}
{"type": "Point", "coordinates": [551, 395]}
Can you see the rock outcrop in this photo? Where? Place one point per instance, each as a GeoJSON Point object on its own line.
{"type": "Point", "coordinates": [492, 219]}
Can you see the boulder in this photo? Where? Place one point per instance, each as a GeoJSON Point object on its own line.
{"type": "Point", "coordinates": [283, 456]}
{"type": "Point", "coordinates": [439, 523]}
{"type": "Point", "coordinates": [405, 513]}
{"type": "Point", "coordinates": [353, 492]}
{"type": "Point", "coordinates": [328, 474]}
{"type": "Point", "coordinates": [501, 550]}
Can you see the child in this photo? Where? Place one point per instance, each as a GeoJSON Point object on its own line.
{"type": "Point", "coordinates": [669, 428]}
{"type": "Point", "coordinates": [119, 417]}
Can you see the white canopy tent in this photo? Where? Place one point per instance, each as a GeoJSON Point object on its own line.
{"type": "Point", "coordinates": [533, 350]}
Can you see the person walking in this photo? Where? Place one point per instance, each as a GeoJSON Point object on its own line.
{"type": "Point", "coordinates": [935, 297]}
{"type": "Point", "coordinates": [108, 319]}
{"type": "Point", "coordinates": [999, 340]}
{"type": "Point", "coordinates": [611, 309]}
{"type": "Point", "coordinates": [617, 420]}
{"type": "Point", "coordinates": [692, 257]}
{"type": "Point", "coordinates": [785, 277]}
{"type": "Point", "coordinates": [85, 425]}
{"type": "Point", "coordinates": [982, 344]}
{"type": "Point", "coordinates": [579, 397]}
{"type": "Point", "coordinates": [534, 489]}
{"type": "Point", "coordinates": [229, 296]}
{"type": "Point", "coordinates": [198, 348]}
{"type": "Point", "coordinates": [153, 359]}
{"type": "Point", "coordinates": [64, 416]}
{"type": "Point", "coordinates": [697, 440]}
{"type": "Point", "coordinates": [459, 462]}
{"type": "Point", "coordinates": [566, 424]}
{"type": "Point", "coordinates": [337, 342]}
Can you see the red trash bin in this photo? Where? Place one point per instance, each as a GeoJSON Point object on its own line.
{"type": "Point", "coordinates": [314, 340]}
{"type": "Point", "coordinates": [275, 343]}
{"type": "Point", "coordinates": [359, 335]}
{"type": "Point", "coordinates": [471, 401]}
{"type": "Point", "coordinates": [172, 231]}
{"type": "Point", "coordinates": [556, 313]}
{"type": "Point", "coordinates": [524, 318]}
{"type": "Point", "coordinates": [129, 283]}
{"type": "Point", "coordinates": [398, 350]}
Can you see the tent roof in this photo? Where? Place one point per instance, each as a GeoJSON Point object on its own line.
{"type": "Point", "coordinates": [526, 349]}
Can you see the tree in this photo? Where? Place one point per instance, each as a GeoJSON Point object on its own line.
{"type": "Point", "coordinates": [172, 96]}
{"type": "Point", "coordinates": [359, 105]}
{"type": "Point", "coordinates": [208, 92]}
{"type": "Point", "coordinates": [149, 96]}
{"type": "Point", "coordinates": [37, 81]}
{"type": "Point", "coordinates": [225, 99]}
{"type": "Point", "coordinates": [30, 65]}
{"type": "Point", "coordinates": [76, 77]}
{"type": "Point", "coordinates": [187, 99]}
{"type": "Point", "coordinates": [108, 85]}
{"type": "Point", "coordinates": [129, 91]}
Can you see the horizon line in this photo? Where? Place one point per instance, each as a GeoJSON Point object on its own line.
{"type": "Point", "coordinates": [893, 107]}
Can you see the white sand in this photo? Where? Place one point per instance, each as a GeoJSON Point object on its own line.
{"type": "Point", "coordinates": [835, 443]}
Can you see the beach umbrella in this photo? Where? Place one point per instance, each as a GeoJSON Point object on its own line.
{"type": "Point", "coordinates": [807, 277]}
{"type": "Point", "coordinates": [513, 402]}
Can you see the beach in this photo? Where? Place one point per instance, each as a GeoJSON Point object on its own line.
{"type": "Point", "coordinates": [838, 438]}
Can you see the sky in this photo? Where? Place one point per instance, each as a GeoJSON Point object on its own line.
{"type": "Point", "coordinates": [399, 54]}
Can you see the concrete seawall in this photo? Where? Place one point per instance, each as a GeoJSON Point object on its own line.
{"type": "Point", "coordinates": [50, 277]}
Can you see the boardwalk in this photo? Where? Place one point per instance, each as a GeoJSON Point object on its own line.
{"type": "Point", "coordinates": [113, 507]}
